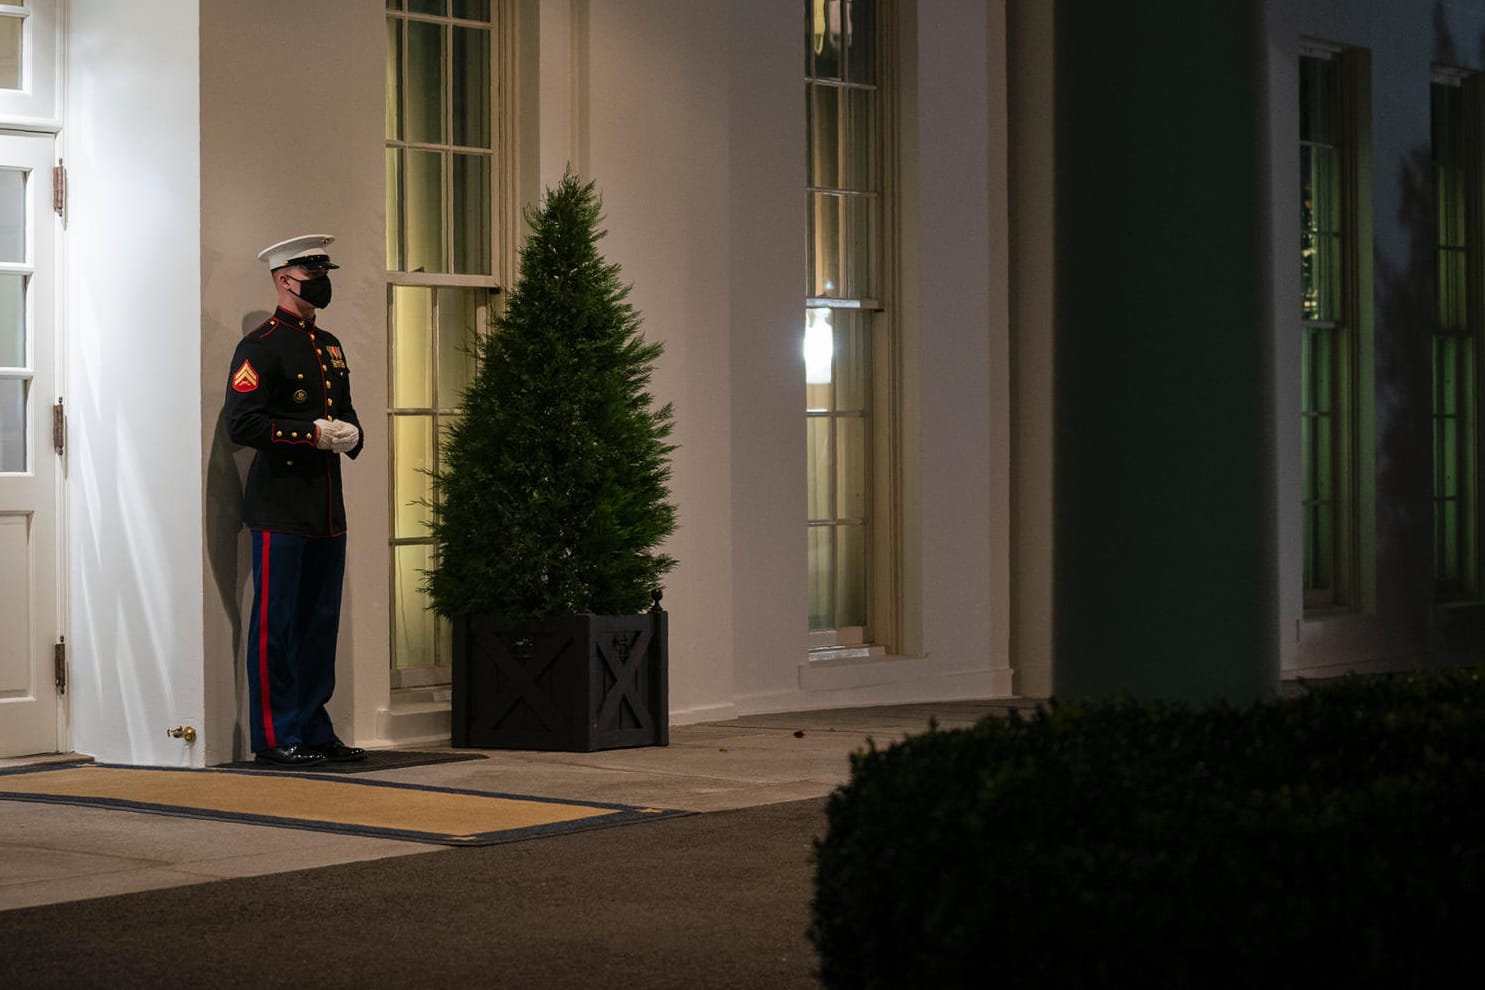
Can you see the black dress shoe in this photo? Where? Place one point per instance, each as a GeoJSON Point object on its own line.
{"type": "Point", "coordinates": [338, 752]}
{"type": "Point", "coordinates": [292, 755]}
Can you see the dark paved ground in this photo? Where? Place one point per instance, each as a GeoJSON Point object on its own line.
{"type": "Point", "coordinates": [714, 900]}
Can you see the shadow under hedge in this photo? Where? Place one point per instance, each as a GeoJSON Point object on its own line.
{"type": "Point", "coordinates": [1330, 839]}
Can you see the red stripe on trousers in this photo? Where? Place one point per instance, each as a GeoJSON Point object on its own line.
{"type": "Point", "coordinates": [263, 682]}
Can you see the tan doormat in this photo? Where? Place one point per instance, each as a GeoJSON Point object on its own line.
{"type": "Point", "coordinates": [328, 804]}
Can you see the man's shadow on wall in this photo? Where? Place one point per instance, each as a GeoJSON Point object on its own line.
{"type": "Point", "coordinates": [228, 545]}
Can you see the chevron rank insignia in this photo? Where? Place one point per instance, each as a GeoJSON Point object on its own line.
{"type": "Point", "coordinates": [245, 379]}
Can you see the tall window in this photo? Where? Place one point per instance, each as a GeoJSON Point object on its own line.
{"type": "Point", "coordinates": [842, 310]}
{"type": "Point", "coordinates": [441, 274]}
{"type": "Point", "coordinates": [1328, 324]}
{"type": "Point", "coordinates": [1455, 354]}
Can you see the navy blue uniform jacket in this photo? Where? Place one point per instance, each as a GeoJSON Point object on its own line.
{"type": "Point", "coordinates": [285, 375]}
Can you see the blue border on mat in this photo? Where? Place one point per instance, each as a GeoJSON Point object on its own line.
{"type": "Point", "coordinates": [623, 814]}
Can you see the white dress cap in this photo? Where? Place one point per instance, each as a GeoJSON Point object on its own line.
{"type": "Point", "coordinates": [306, 249]}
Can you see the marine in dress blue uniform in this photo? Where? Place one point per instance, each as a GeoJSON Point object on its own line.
{"type": "Point", "coordinates": [289, 398]}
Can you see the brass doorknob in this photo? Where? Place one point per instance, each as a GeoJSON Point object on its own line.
{"type": "Point", "coordinates": [186, 732]}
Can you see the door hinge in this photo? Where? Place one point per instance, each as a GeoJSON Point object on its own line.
{"type": "Point", "coordinates": [59, 427]}
{"type": "Point", "coordinates": [59, 664]}
{"type": "Point", "coordinates": [59, 188]}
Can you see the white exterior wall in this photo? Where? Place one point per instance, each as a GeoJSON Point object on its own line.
{"type": "Point", "coordinates": [657, 144]}
{"type": "Point", "coordinates": [132, 322]}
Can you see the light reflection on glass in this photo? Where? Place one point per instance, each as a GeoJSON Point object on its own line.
{"type": "Point", "coordinates": [819, 346]}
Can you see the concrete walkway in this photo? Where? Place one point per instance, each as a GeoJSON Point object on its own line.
{"type": "Point", "coordinates": [51, 854]}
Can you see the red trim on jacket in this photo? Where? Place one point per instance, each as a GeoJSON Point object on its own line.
{"type": "Point", "coordinates": [265, 684]}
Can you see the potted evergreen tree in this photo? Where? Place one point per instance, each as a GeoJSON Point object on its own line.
{"type": "Point", "coordinates": [553, 501]}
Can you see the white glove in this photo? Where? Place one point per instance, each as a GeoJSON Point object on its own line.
{"type": "Point", "coordinates": [336, 435]}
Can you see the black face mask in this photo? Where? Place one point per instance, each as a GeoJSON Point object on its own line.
{"type": "Point", "coordinates": [315, 291]}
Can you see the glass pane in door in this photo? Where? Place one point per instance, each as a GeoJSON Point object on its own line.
{"type": "Point", "coordinates": [12, 33]}
{"type": "Point", "coordinates": [12, 320]}
{"type": "Point", "coordinates": [12, 425]}
{"type": "Point", "coordinates": [12, 215]}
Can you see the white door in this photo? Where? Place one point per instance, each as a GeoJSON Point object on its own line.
{"type": "Point", "coordinates": [30, 468]}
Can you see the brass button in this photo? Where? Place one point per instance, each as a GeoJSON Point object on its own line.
{"type": "Point", "coordinates": [290, 463]}
{"type": "Point", "coordinates": [279, 433]}
{"type": "Point", "coordinates": [329, 402]}
{"type": "Point", "coordinates": [293, 434]}
{"type": "Point", "coordinates": [300, 376]}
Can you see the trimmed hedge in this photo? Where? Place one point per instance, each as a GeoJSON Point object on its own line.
{"type": "Point", "coordinates": [1332, 839]}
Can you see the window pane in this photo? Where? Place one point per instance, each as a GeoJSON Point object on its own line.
{"type": "Point", "coordinates": [1447, 432]}
{"type": "Point", "coordinates": [1320, 277]}
{"type": "Point", "coordinates": [1317, 370]}
{"type": "Point", "coordinates": [850, 479]}
{"type": "Point", "coordinates": [825, 39]}
{"type": "Point", "coordinates": [394, 4]}
{"type": "Point", "coordinates": [1445, 351]}
{"type": "Point", "coordinates": [1318, 92]}
{"type": "Point", "coordinates": [423, 226]}
{"type": "Point", "coordinates": [414, 628]}
{"type": "Point", "coordinates": [819, 357]}
{"type": "Point", "coordinates": [825, 237]}
{"type": "Point", "coordinates": [824, 136]}
{"type": "Point", "coordinates": [446, 424]}
{"type": "Point", "coordinates": [440, 7]}
{"type": "Point", "coordinates": [12, 321]}
{"type": "Point", "coordinates": [472, 214]}
{"type": "Point", "coordinates": [1322, 467]}
{"type": "Point", "coordinates": [822, 577]}
{"type": "Point", "coordinates": [11, 35]}
{"type": "Point", "coordinates": [12, 424]}
{"type": "Point", "coordinates": [458, 327]}
{"type": "Point", "coordinates": [1451, 309]}
{"type": "Point", "coordinates": [1318, 547]}
{"type": "Point", "coordinates": [473, 10]}
{"type": "Point", "coordinates": [394, 210]}
{"type": "Point", "coordinates": [852, 372]}
{"type": "Point", "coordinates": [860, 41]}
{"type": "Point", "coordinates": [412, 453]}
{"type": "Point", "coordinates": [394, 79]}
{"type": "Point", "coordinates": [412, 344]}
{"type": "Point", "coordinates": [1325, 188]}
{"type": "Point", "coordinates": [850, 576]}
{"type": "Point", "coordinates": [819, 470]}
{"type": "Point", "coordinates": [1446, 542]}
{"type": "Point", "coordinates": [425, 82]}
{"type": "Point", "coordinates": [861, 159]}
{"type": "Point", "coordinates": [12, 215]}
{"type": "Point", "coordinates": [861, 239]}
{"type": "Point", "coordinates": [471, 72]}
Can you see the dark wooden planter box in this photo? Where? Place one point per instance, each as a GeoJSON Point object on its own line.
{"type": "Point", "coordinates": [576, 683]}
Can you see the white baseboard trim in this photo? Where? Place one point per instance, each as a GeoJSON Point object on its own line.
{"type": "Point", "coordinates": [703, 713]}
{"type": "Point", "coordinates": [906, 682]}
